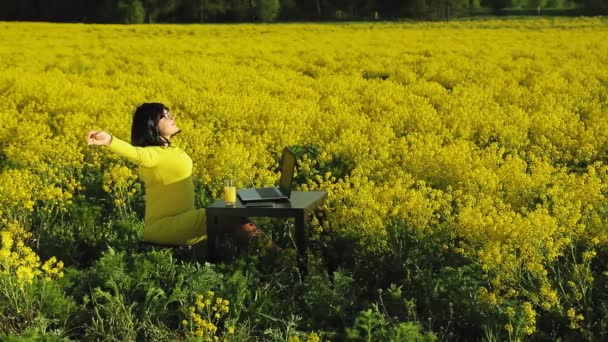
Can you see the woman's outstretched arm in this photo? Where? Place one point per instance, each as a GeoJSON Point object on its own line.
{"type": "Point", "coordinates": [99, 138]}
{"type": "Point", "coordinates": [146, 157]}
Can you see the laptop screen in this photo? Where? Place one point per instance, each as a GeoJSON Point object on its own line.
{"type": "Point", "coordinates": [289, 165]}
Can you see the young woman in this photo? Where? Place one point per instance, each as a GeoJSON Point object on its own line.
{"type": "Point", "coordinates": [170, 215]}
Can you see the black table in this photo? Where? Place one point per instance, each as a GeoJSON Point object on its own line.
{"type": "Point", "coordinates": [300, 204]}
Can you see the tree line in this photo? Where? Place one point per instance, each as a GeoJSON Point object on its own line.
{"type": "Point", "coordinates": [203, 11]}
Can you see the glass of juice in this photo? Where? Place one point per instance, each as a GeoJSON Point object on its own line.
{"type": "Point", "coordinates": [229, 192]}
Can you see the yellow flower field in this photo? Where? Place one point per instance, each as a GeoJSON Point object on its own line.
{"type": "Point", "coordinates": [491, 132]}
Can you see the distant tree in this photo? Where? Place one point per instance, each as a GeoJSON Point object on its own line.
{"type": "Point", "coordinates": [107, 11]}
{"type": "Point", "coordinates": [392, 9]}
{"type": "Point", "coordinates": [156, 8]}
{"type": "Point", "coordinates": [289, 10]}
{"type": "Point", "coordinates": [121, 11]}
{"type": "Point", "coordinates": [240, 10]}
{"type": "Point", "coordinates": [10, 10]}
{"type": "Point", "coordinates": [322, 9]}
{"type": "Point", "coordinates": [131, 11]}
{"type": "Point", "coordinates": [267, 10]}
{"type": "Point", "coordinates": [209, 10]}
{"type": "Point", "coordinates": [318, 7]}
{"type": "Point", "coordinates": [419, 9]}
{"type": "Point", "coordinates": [354, 9]}
{"type": "Point", "coordinates": [556, 3]}
{"type": "Point", "coordinates": [439, 9]}
{"type": "Point", "coordinates": [536, 4]}
{"type": "Point", "coordinates": [20, 10]}
{"type": "Point", "coordinates": [454, 8]}
{"type": "Point", "coordinates": [497, 6]}
{"type": "Point", "coordinates": [62, 10]}
{"type": "Point", "coordinates": [595, 7]}
{"type": "Point", "coordinates": [305, 9]}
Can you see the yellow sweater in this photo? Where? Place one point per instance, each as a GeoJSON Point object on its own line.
{"type": "Point", "coordinates": [170, 215]}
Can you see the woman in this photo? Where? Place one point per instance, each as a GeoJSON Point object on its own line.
{"type": "Point", "coordinates": [170, 215]}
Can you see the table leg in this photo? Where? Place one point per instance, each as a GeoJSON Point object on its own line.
{"type": "Point", "coordinates": [301, 248]}
{"type": "Point", "coordinates": [212, 235]}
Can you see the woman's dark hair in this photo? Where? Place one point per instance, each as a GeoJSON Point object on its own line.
{"type": "Point", "coordinates": [144, 129]}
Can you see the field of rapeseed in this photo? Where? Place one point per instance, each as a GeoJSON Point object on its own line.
{"type": "Point", "coordinates": [466, 165]}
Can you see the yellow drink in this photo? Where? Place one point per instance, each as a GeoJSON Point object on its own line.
{"type": "Point", "coordinates": [230, 195]}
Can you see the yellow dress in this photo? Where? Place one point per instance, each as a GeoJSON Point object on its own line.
{"type": "Point", "coordinates": [170, 215]}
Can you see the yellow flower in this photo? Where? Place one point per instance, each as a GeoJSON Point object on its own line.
{"type": "Point", "coordinates": [588, 255]}
{"type": "Point", "coordinates": [313, 337]}
{"type": "Point", "coordinates": [20, 260]}
{"type": "Point", "coordinates": [530, 318]}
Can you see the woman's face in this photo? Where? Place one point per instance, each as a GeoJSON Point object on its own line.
{"type": "Point", "coordinates": [166, 125]}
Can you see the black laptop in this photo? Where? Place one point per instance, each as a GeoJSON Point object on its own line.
{"type": "Point", "coordinates": [281, 192]}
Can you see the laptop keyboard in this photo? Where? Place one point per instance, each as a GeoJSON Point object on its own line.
{"type": "Point", "coordinates": [267, 192]}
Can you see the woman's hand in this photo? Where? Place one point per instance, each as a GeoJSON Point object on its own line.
{"type": "Point", "coordinates": [99, 138]}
